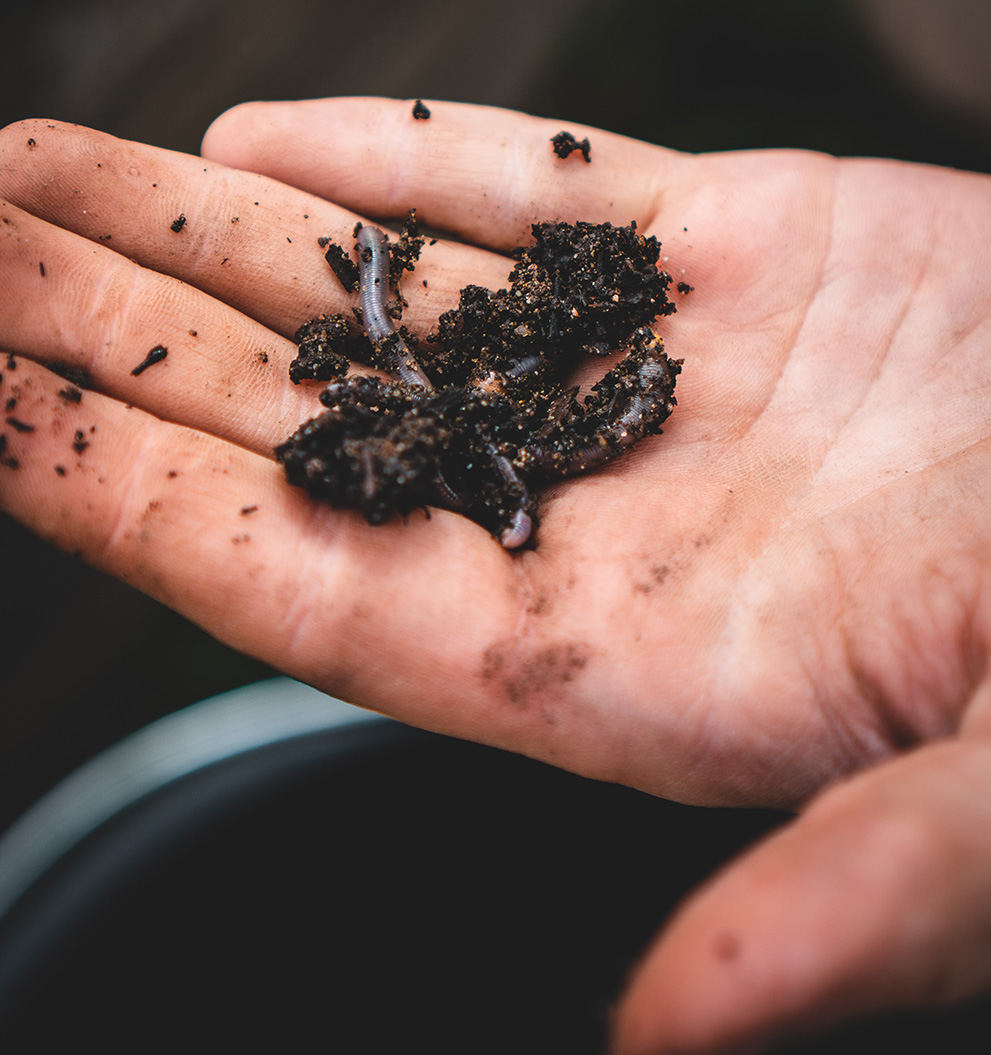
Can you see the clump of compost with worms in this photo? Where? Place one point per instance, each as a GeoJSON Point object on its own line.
{"type": "Point", "coordinates": [481, 414]}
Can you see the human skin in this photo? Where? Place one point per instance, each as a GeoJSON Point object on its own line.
{"type": "Point", "coordinates": [782, 601]}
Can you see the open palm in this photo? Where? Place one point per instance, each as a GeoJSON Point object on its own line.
{"type": "Point", "coordinates": [785, 587]}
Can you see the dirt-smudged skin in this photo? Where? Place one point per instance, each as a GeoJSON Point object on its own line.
{"type": "Point", "coordinates": [483, 412]}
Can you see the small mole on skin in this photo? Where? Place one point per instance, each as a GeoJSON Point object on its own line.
{"type": "Point", "coordinates": [726, 946]}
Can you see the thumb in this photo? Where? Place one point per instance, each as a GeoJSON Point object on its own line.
{"type": "Point", "coordinates": [878, 897]}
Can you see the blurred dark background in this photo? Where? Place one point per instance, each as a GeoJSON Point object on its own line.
{"type": "Point", "coordinates": [86, 659]}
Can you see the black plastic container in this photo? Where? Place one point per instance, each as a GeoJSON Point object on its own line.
{"type": "Point", "coordinates": [274, 869]}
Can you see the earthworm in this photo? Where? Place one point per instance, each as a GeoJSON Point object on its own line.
{"type": "Point", "coordinates": [373, 287]}
{"type": "Point", "coordinates": [647, 387]}
{"type": "Point", "coordinates": [520, 525]}
{"type": "Point", "coordinates": [518, 532]}
{"type": "Point", "coordinates": [523, 366]}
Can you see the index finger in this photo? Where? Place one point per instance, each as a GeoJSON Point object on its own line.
{"type": "Point", "coordinates": [483, 173]}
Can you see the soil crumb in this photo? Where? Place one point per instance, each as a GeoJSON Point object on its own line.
{"type": "Point", "coordinates": [341, 264]}
{"type": "Point", "coordinates": [156, 355]}
{"type": "Point", "coordinates": [565, 144]}
{"type": "Point", "coordinates": [420, 112]}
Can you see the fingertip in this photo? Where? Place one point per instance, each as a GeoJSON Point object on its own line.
{"type": "Point", "coordinates": [690, 994]}
{"type": "Point", "coordinates": [232, 133]}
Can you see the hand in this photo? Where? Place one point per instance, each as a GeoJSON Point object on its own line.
{"type": "Point", "coordinates": [774, 600]}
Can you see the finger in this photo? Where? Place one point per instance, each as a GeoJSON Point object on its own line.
{"type": "Point", "coordinates": [146, 338]}
{"type": "Point", "coordinates": [213, 531]}
{"type": "Point", "coordinates": [879, 897]}
{"type": "Point", "coordinates": [245, 239]}
{"type": "Point", "coordinates": [484, 173]}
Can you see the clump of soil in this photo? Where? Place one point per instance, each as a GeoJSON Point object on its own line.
{"type": "Point", "coordinates": [500, 418]}
{"type": "Point", "coordinates": [565, 144]}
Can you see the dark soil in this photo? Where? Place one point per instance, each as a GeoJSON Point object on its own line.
{"type": "Point", "coordinates": [499, 364]}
